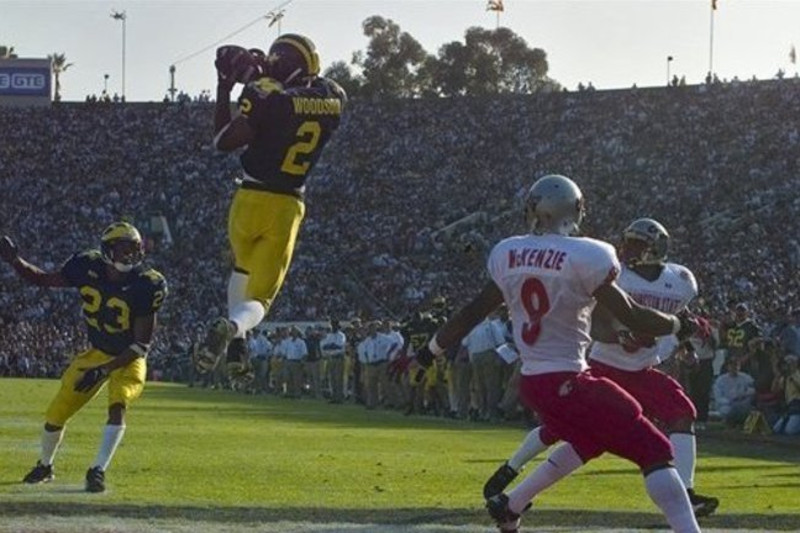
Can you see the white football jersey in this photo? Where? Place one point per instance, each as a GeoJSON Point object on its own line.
{"type": "Point", "coordinates": [548, 282]}
{"type": "Point", "coordinates": [670, 293]}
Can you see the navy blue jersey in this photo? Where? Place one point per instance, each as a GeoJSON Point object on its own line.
{"type": "Point", "coordinates": [291, 127]}
{"type": "Point", "coordinates": [110, 307]}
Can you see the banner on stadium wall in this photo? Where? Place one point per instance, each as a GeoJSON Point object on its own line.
{"type": "Point", "coordinates": [24, 81]}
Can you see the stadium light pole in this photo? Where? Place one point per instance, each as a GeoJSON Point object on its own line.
{"type": "Point", "coordinates": [669, 62]}
{"type": "Point", "coordinates": [122, 16]}
{"type": "Point", "coordinates": [275, 17]}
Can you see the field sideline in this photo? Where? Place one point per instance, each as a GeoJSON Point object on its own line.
{"type": "Point", "coordinates": [198, 460]}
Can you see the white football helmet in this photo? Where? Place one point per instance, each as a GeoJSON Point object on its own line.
{"type": "Point", "coordinates": [644, 242]}
{"type": "Point", "coordinates": [554, 205]}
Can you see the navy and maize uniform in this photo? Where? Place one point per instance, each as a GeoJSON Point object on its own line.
{"type": "Point", "coordinates": [291, 127]}
{"type": "Point", "coordinates": [419, 330]}
{"type": "Point", "coordinates": [110, 309]}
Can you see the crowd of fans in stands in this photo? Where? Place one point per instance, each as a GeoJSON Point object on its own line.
{"type": "Point", "coordinates": [406, 200]}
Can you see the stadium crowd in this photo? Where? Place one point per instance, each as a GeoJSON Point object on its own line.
{"type": "Point", "coordinates": [405, 202]}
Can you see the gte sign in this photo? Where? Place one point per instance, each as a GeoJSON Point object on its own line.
{"type": "Point", "coordinates": [23, 82]}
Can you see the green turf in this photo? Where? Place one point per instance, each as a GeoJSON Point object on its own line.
{"type": "Point", "coordinates": [219, 455]}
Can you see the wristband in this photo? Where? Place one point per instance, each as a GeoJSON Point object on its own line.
{"type": "Point", "coordinates": [676, 325]}
{"type": "Point", "coordinates": [140, 348]}
{"type": "Point", "coordinates": [434, 347]}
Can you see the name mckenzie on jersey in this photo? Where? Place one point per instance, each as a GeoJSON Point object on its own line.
{"type": "Point", "coordinates": [547, 258]}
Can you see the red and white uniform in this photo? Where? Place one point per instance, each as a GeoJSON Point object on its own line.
{"type": "Point", "coordinates": [548, 282]}
{"type": "Point", "coordinates": [670, 293]}
{"type": "Point", "coordinates": [660, 396]}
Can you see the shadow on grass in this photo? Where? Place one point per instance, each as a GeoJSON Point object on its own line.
{"type": "Point", "coordinates": [188, 400]}
{"type": "Point", "coordinates": [247, 515]}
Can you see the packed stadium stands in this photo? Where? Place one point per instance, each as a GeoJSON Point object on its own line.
{"type": "Point", "coordinates": [406, 199]}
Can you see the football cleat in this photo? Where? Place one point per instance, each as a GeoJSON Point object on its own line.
{"type": "Point", "coordinates": [95, 480]}
{"type": "Point", "coordinates": [219, 334]}
{"type": "Point", "coordinates": [507, 521]}
{"type": "Point", "coordinates": [499, 481]}
{"type": "Point", "coordinates": [702, 505]}
{"type": "Point", "coordinates": [39, 474]}
{"type": "Point", "coordinates": [238, 364]}
{"type": "Point", "coordinates": [237, 359]}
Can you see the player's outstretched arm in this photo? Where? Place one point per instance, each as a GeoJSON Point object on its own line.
{"type": "Point", "coordinates": [639, 318]}
{"type": "Point", "coordinates": [461, 323]}
{"type": "Point", "coordinates": [30, 273]}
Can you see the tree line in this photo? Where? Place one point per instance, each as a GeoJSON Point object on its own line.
{"type": "Point", "coordinates": [396, 65]}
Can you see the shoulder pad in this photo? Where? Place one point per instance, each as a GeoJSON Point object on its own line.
{"type": "Point", "coordinates": [264, 86]}
{"type": "Point", "coordinates": [154, 277]}
{"type": "Point", "coordinates": [90, 255]}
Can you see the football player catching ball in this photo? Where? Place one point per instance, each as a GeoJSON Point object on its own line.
{"type": "Point", "coordinates": [286, 115]}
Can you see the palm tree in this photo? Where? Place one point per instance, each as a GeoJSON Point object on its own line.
{"type": "Point", "coordinates": [7, 52]}
{"type": "Point", "coordinates": [59, 65]}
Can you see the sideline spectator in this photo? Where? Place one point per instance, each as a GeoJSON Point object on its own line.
{"type": "Point", "coordinates": [733, 394]}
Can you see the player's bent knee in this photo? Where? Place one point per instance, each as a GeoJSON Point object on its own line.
{"type": "Point", "coordinates": [646, 471]}
{"type": "Point", "coordinates": [647, 446]}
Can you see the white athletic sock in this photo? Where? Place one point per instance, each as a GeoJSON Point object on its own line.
{"type": "Point", "coordinates": [563, 460]}
{"type": "Point", "coordinates": [685, 456]}
{"type": "Point", "coordinates": [247, 315]}
{"type": "Point", "coordinates": [667, 491]}
{"type": "Point", "coordinates": [531, 446]}
{"type": "Point", "coordinates": [237, 287]}
{"type": "Point", "coordinates": [50, 442]}
{"type": "Point", "coordinates": [112, 436]}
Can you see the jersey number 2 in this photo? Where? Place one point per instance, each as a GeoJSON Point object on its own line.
{"type": "Point", "coordinates": [309, 133]}
{"type": "Point", "coordinates": [537, 304]}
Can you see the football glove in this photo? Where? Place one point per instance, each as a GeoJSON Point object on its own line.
{"type": "Point", "coordinates": [689, 325]}
{"type": "Point", "coordinates": [8, 250]}
{"type": "Point", "coordinates": [234, 64]}
{"type": "Point", "coordinates": [688, 354]}
{"type": "Point", "coordinates": [91, 378]}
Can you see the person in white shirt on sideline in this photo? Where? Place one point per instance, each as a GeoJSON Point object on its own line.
{"type": "Point", "coordinates": [333, 346]}
{"type": "Point", "coordinates": [260, 351]}
{"type": "Point", "coordinates": [733, 393]}
{"type": "Point", "coordinates": [487, 367]}
{"type": "Point", "coordinates": [278, 369]}
{"type": "Point", "coordinates": [395, 397]}
{"type": "Point", "coordinates": [296, 352]}
{"type": "Point", "coordinates": [373, 354]}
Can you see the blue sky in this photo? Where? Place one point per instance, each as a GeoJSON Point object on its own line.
{"type": "Point", "coordinates": [613, 44]}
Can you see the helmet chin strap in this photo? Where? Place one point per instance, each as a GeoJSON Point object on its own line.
{"type": "Point", "coordinates": [122, 267]}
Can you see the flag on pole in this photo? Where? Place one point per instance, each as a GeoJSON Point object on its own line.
{"type": "Point", "coordinates": [793, 55]}
{"type": "Point", "coordinates": [495, 5]}
{"type": "Point", "coordinates": [714, 5]}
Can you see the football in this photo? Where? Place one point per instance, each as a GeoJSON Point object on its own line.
{"type": "Point", "coordinates": [236, 64]}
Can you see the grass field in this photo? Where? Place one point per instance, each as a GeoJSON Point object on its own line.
{"type": "Point", "coordinates": [199, 460]}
